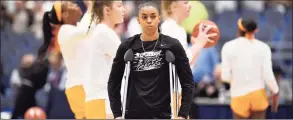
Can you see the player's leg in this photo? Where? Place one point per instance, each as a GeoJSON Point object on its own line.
{"type": "Point", "coordinates": [76, 98]}
{"type": "Point", "coordinates": [236, 116]}
{"type": "Point", "coordinates": [258, 115]}
{"type": "Point", "coordinates": [109, 114]}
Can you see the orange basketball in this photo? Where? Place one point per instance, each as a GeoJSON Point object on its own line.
{"type": "Point", "coordinates": [35, 113]}
{"type": "Point", "coordinates": [214, 29]}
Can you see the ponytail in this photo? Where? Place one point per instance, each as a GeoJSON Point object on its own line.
{"type": "Point", "coordinates": [47, 35]}
{"type": "Point", "coordinates": [55, 17]}
{"type": "Point", "coordinates": [97, 11]}
{"type": "Point", "coordinates": [93, 5]}
{"type": "Point", "coordinates": [246, 26]}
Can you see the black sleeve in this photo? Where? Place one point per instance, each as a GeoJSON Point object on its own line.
{"type": "Point", "coordinates": [115, 80]}
{"type": "Point", "coordinates": [186, 79]}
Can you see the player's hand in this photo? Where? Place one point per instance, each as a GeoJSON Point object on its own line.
{"type": "Point", "coordinates": [118, 118]}
{"type": "Point", "coordinates": [275, 102]}
{"type": "Point", "coordinates": [203, 36]}
{"type": "Point", "coordinates": [72, 14]}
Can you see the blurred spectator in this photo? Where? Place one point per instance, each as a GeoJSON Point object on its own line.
{"type": "Point", "coordinates": [1, 69]}
{"type": "Point", "coordinates": [205, 65]}
{"type": "Point", "coordinates": [57, 106]}
{"type": "Point", "coordinates": [279, 6]}
{"type": "Point", "coordinates": [257, 6]}
{"type": "Point", "coordinates": [23, 18]}
{"type": "Point", "coordinates": [285, 91]}
{"type": "Point", "coordinates": [119, 29]}
{"type": "Point", "coordinates": [5, 17]}
{"type": "Point", "coordinates": [217, 75]}
{"type": "Point", "coordinates": [38, 17]}
{"type": "Point", "coordinates": [208, 90]}
{"type": "Point", "coordinates": [56, 70]}
{"type": "Point", "coordinates": [287, 3]}
{"type": "Point", "coordinates": [217, 72]}
{"type": "Point", "coordinates": [10, 4]}
{"type": "Point", "coordinates": [16, 79]}
{"type": "Point", "coordinates": [2, 87]}
{"type": "Point", "coordinates": [203, 72]}
{"type": "Point", "coordinates": [33, 78]}
{"type": "Point", "coordinates": [132, 26]}
{"type": "Point", "coordinates": [222, 6]}
{"type": "Point", "coordinates": [47, 5]}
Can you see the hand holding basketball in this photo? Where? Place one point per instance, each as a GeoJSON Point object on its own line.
{"type": "Point", "coordinates": [206, 33]}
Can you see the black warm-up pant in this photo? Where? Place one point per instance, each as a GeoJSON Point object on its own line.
{"type": "Point", "coordinates": [24, 100]}
{"type": "Point", "coordinates": [163, 113]}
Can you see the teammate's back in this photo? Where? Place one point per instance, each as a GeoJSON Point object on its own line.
{"type": "Point", "coordinates": [247, 65]}
{"type": "Point", "coordinates": [248, 60]}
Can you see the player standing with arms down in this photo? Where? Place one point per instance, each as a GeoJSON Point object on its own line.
{"type": "Point", "coordinates": [104, 43]}
{"type": "Point", "coordinates": [148, 96]}
{"type": "Point", "coordinates": [247, 65]}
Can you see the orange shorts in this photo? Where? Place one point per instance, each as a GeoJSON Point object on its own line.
{"type": "Point", "coordinates": [76, 98]}
{"type": "Point", "coordinates": [96, 109]}
{"type": "Point", "coordinates": [254, 101]}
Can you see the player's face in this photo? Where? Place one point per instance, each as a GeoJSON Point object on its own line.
{"type": "Point", "coordinates": [117, 12]}
{"type": "Point", "coordinates": [149, 19]}
{"type": "Point", "coordinates": [183, 8]}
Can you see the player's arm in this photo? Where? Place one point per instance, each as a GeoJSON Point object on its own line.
{"type": "Point", "coordinates": [226, 72]}
{"type": "Point", "coordinates": [167, 30]}
{"type": "Point", "coordinates": [115, 80]}
{"type": "Point", "coordinates": [110, 44]}
{"type": "Point", "coordinates": [270, 80]}
{"type": "Point", "coordinates": [200, 41]}
{"type": "Point", "coordinates": [267, 72]}
{"type": "Point", "coordinates": [69, 34]}
{"type": "Point", "coordinates": [185, 77]}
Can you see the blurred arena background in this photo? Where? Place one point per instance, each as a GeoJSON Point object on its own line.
{"type": "Point", "coordinates": [21, 35]}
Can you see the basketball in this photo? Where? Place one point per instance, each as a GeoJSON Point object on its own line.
{"type": "Point", "coordinates": [214, 29]}
{"type": "Point", "coordinates": [35, 113]}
